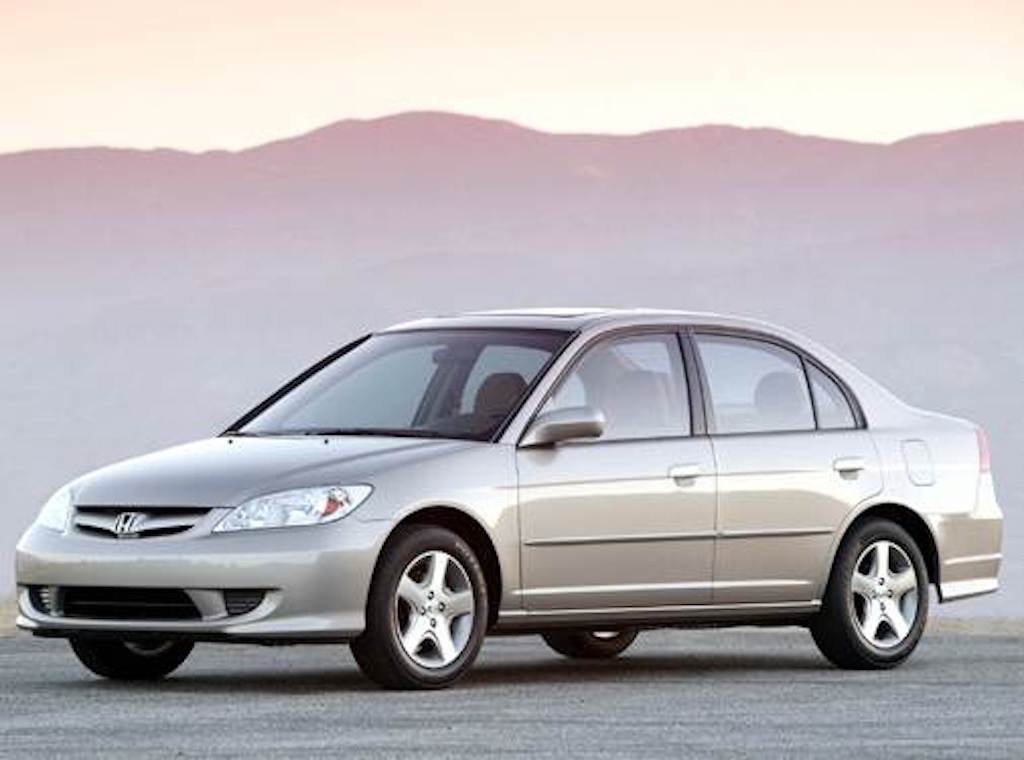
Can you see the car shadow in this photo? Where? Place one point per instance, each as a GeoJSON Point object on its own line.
{"type": "Point", "coordinates": [638, 668]}
{"type": "Point", "coordinates": [552, 670]}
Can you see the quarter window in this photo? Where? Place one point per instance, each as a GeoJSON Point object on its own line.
{"type": "Point", "coordinates": [755, 386]}
{"type": "Point", "coordinates": [636, 382]}
{"type": "Point", "coordinates": [834, 412]}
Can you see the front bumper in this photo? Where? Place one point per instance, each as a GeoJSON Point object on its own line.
{"type": "Point", "coordinates": [316, 579]}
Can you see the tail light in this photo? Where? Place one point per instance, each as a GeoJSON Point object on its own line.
{"type": "Point", "coordinates": [984, 455]}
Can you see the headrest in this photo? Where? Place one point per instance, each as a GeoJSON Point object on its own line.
{"type": "Point", "coordinates": [779, 395]}
{"type": "Point", "coordinates": [498, 393]}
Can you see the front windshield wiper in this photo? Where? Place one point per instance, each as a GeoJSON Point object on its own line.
{"type": "Point", "coordinates": [329, 431]}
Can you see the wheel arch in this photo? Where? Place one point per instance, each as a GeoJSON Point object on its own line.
{"type": "Point", "coordinates": [470, 530]}
{"type": "Point", "coordinates": [908, 519]}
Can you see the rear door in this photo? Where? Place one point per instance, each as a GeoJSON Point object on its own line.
{"type": "Point", "coordinates": [793, 458]}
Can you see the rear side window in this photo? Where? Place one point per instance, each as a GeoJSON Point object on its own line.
{"type": "Point", "coordinates": [834, 412]}
{"type": "Point", "coordinates": [754, 386]}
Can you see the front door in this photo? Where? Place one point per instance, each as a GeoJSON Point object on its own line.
{"type": "Point", "coordinates": [628, 519]}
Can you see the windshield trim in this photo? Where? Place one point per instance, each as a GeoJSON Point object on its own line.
{"type": "Point", "coordinates": [328, 432]}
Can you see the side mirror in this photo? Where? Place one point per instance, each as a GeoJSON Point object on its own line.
{"type": "Point", "coordinates": [563, 425]}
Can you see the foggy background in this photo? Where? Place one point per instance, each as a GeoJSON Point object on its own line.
{"type": "Point", "coordinates": [149, 297]}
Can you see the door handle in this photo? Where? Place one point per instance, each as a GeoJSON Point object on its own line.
{"type": "Point", "coordinates": [849, 465]}
{"type": "Point", "coordinates": [684, 473]}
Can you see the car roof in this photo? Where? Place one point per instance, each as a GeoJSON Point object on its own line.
{"type": "Point", "coordinates": [576, 318]}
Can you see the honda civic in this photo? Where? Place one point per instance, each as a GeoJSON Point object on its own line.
{"type": "Point", "coordinates": [582, 474]}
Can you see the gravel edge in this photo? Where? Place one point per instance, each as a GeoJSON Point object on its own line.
{"type": "Point", "coordinates": [8, 610]}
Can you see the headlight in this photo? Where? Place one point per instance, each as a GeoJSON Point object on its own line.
{"type": "Point", "coordinates": [56, 511]}
{"type": "Point", "coordinates": [305, 506]}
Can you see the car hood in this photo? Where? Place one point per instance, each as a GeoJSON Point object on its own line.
{"type": "Point", "coordinates": [224, 472]}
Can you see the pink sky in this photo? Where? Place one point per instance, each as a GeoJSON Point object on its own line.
{"type": "Point", "coordinates": [230, 73]}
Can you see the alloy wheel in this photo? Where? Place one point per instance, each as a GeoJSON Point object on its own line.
{"type": "Point", "coordinates": [434, 609]}
{"type": "Point", "coordinates": [884, 591]}
{"type": "Point", "coordinates": [149, 648]}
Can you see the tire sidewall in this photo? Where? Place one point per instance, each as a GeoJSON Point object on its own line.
{"type": "Point", "coordinates": [585, 644]}
{"type": "Point", "coordinates": [852, 549]}
{"type": "Point", "coordinates": [111, 658]}
{"type": "Point", "coordinates": [384, 622]}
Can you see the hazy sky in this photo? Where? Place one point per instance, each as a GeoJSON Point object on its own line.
{"type": "Point", "coordinates": [232, 73]}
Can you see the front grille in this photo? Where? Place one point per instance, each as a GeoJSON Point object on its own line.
{"type": "Point", "coordinates": [125, 522]}
{"type": "Point", "coordinates": [118, 603]}
{"type": "Point", "coordinates": [241, 601]}
{"type": "Point", "coordinates": [103, 603]}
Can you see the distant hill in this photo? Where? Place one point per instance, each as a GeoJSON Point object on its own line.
{"type": "Point", "coordinates": [148, 296]}
{"type": "Point", "coordinates": [448, 178]}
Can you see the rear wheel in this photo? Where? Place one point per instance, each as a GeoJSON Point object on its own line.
{"type": "Point", "coordinates": [143, 660]}
{"type": "Point", "coordinates": [427, 612]}
{"type": "Point", "coordinates": [876, 604]}
{"type": "Point", "coordinates": [590, 645]}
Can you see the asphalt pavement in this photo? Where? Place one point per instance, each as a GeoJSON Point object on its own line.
{"type": "Point", "coordinates": [731, 693]}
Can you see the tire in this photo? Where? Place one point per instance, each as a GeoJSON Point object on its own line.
{"type": "Point", "coordinates": [590, 645]}
{"type": "Point", "coordinates": [131, 661]}
{"type": "Point", "coordinates": [857, 602]}
{"type": "Point", "coordinates": [442, 619]}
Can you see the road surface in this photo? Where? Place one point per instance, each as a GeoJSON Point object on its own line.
{"type": "Point", "coordinates": [738, 693]}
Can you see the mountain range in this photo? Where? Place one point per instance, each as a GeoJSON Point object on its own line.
{"type": "Point", "coordinates": [461, 181]}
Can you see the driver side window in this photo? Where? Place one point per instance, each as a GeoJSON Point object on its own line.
{"type": "Point", "coordinates": [637, 382]}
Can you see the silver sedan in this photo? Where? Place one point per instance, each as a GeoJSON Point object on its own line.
{"type": "Point", "coordinates": [582, 474]}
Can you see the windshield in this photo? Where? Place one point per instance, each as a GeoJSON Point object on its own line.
{"type": "Point", "coordinates": [423, 383]}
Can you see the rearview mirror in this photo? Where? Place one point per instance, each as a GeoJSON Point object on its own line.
{"type": "Point", "coordinates": [563, 425]}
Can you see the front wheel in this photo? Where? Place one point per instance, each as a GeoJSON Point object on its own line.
{"type": "Point", "coordinates": [427, 612]}
{"type": "Point", "coordinates": [590, 645]}
{"type": "Point", "coordinates": [143, 660]}
{"type": "Point", "coordinates": [876, 603]}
